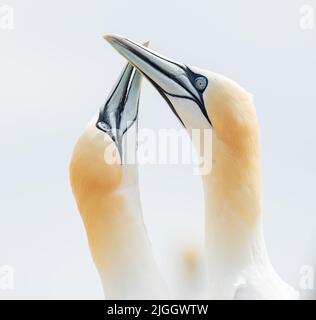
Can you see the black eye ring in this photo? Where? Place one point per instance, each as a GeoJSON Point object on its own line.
{"type": "Point", "coordinates": [200, 83]}
{"type": "Point", "coordinates": [103, 126]}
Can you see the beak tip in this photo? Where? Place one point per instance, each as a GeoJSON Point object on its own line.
{"type": "Point", "coordinates": [107, 37]}
{"type": "Point", "coordinates": [113, 38]}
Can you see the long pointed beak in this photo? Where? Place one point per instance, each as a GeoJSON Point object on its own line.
{"type": "Point", "coordinates": [171, 78]}
{"type": "Point", "coordinates": [120, 110]}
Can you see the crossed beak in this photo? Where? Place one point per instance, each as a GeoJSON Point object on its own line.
{"type": "Point", "coordinates": [171, 79]}
{"type": "Point", "coordinates": [120, 110]}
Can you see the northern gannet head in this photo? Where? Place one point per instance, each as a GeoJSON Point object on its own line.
{"type": "Point", "coordinates": [120, 110]}
{"type": "Point", "coordinates": [200, 99]}
{"type": "Point", "coordinates": [95, 164]}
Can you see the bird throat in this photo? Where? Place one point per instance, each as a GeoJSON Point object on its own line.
{"type": "Point", "coordinates": [232, 192]}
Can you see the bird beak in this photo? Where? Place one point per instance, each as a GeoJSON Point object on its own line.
{"type": "Point", "coordinates": [171, 79]}
{"type": "Point", "coordinates": [120, 110]}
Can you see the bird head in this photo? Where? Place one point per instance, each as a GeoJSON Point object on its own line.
{"type": "Point", "coordinates": [200, 99]}
{"type": "Point", "coordinates": [120, 110]}
{"type": "Point", "coordinates": [89, 170]}
{"type": "Point", "coordinates": [96, 160]}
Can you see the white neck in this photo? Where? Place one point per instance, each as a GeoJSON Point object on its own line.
{"type": "Point", "coordinates": [237, 257]}
{"type": "Point", "coordinates": [130, 271]}
{"type": "Point", "coordinates": [109, 203]}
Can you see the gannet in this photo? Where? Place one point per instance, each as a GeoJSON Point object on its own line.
{"type": "Point", "coordinates": [238, 263]}
{"type": "Point", "coordinates": [107, 194]}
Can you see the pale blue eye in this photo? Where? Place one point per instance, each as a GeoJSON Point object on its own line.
{"type": "Point", "coordinates": [103, 126]}
{"type": "Point", "coordinates": [200, 83]}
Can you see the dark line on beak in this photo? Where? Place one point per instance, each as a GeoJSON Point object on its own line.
{"type": "Point", "coordinates": [118, 83]}
{"type": "Point", "coordinates": [163, 94]}
{"type": "Point", "coordinates": [157, 67]}
{"type": "Point", "coordinates": [190, 74]}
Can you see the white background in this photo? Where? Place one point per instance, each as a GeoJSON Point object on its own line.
{"type": "Point", "coordinates": [55, 72]}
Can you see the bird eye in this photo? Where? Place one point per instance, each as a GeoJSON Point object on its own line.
{"type": "Point", "coordinates": [102, 125]}
{"type": "Point", "coordinates": [200, 83]}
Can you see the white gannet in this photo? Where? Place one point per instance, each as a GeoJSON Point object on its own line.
{"type": "Point", "coordinates": [238, 263]}
{"type": "Point", "coordinates": [107, 195]}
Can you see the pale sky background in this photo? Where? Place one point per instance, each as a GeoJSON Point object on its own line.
{"type": "Point", "coordinates": [55, 72]}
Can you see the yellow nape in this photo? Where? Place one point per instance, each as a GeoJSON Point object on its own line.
{"type": "Point", "coordinates": [92, 170]}
{"type": "Point", "coordinates": [234, 185]}
{"type": "Point", "coordinates": [94, 183]}
{"type": "Point", "coordinates": [233, 115]}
